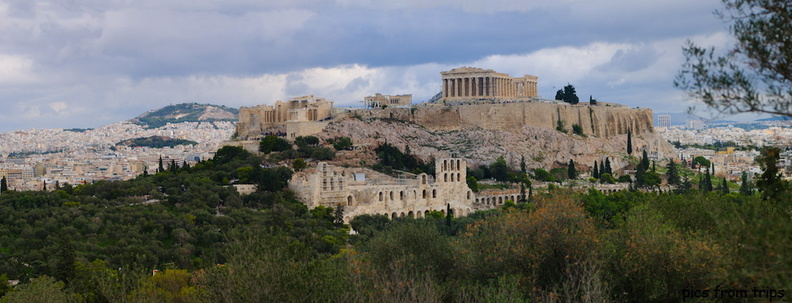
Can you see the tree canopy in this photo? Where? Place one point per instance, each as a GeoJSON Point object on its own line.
{"type": "Point", "coordinates": [568, 94]}
{"type": "Point", "coordinates": [755, 75]}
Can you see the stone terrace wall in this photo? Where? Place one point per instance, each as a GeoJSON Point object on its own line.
{"type": "Point", "coordinates": [599, 121]}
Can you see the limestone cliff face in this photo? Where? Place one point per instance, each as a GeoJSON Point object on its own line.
{"type": "Point", "coordinates": [542, 147]}
{"type": "Point", "coordinates": [599, 121]}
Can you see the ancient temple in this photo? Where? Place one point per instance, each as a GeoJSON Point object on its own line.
{"type": "Point", "coordinates": [471, 83]}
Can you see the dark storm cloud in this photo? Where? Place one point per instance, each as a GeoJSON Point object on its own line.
{"type": "Point", "coordinates": [64, 63]}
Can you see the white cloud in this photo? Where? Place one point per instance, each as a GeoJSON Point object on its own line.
{"type": "Point", "coordinates": [16, 70]}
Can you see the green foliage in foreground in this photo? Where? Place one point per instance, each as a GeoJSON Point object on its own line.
{"type": "Point", "coordinates": [565, 246]}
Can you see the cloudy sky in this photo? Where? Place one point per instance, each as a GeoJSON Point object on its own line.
{"type": "Point", "coordinates": [88, 63]}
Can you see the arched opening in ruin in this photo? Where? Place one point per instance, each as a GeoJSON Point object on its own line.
{"type": "Point", "coordinates": [500, 200]}
{"type": "Point", "coordinates": [393, 215]}
{"type": "Point", "coordinates": [419, 214]}
{"type": "Point", "coordinates": [445, 177]}
{"type": "Point", "coordinates": [445, 164]}
{"type": "Point", "coordinates": [381, 196]}
{"type": "Point", "coordinates": [459, 166]}
{"type": "Point", "coordinates": [434, 193]}
{"type": "Point", "coordinates": [468, 195]}
{"type": "Point", "coordinates": [459, 178]}
{"type": "Point", "coordinates": [401, 215]}
{"type": "Point", "coordinates": [411, 214]}
{"type": "Point", "coordinates": [349, 200]}
{"type": "Point", "coordinates": [391, 195]}
{"type": "Point", "coordinates": [423, 179]}
{"type": "Point", "coordinates": [442, 211]}
{"type": "Point", "coordinates": [426, 213]}
{"type": "Point", "coordinates": [452, 177]}
{"type": "Point", "coordinates": [424, 194]}
{"type": "Point", "coordinates": [401, 195]}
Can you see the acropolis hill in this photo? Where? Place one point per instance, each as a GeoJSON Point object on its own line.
{"type": "Point", "coordinates": [472, 100]}
{"type": "Point", "coordinates": [601, 121]}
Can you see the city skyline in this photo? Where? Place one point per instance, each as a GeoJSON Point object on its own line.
{"type": "Point", "coordinates": [93, 63]}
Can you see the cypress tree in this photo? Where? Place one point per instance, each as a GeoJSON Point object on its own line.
{"type": "Point", "coordinates": [672, 175]}
{"type": "Point", "coordinates": [725, 186]}
{"type": "Point", "coordinates": [629, 142]}
{"type": "Point", "coordinates": [44, 185]}
{"type": "Point", "coordinates": [645, 160]}
{"type": "Point", "coordinates": [595, 174]}
{"type": "Point", "coordinates": [161, 166]}
{"type": "Point", "coordinates": [522, 164]}
{"type": "Point", "coordinates": [745, 187]}
{"type": "Point", "coordinates": [608, 169]}
{"type": "Point", "coordinates": [448, 214]}
{"type": "Point", "coordinates": [639, 176]}
{"type": "Point", "coordinates": [3, 184]}
{"type": "Point", "coordinates": [707, 180]}
{"type": "Point", "coordinates": [602, 169]}
{"type": "Point", "coordinates": [57, 185]}
{"type": "Point", "coordinates": [571, 171]}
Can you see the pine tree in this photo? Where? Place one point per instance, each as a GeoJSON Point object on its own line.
{"type": "Point", "coordinates": [771, 185]}
{"type": "Point", "coordinates": [685, 185]}
{"type": "Point", "coordinates": [629, 142]}
{"type": "Point", "coordinates": [571, 171]}
{"type": "Point", "coordinates": [595, 174]}
{"type": "Point", "coordinates": [608, 169]}
{"type": "Point", "coordinates": [64, 268]}
{"type": "Point", "coordinates": [338, 213]}
{"type": "Point", "coordinates": [745, 187]}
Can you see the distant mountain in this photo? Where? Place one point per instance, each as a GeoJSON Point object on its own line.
{"type": "Point", "coordinates": [186, 112]}
{"type": "Point", "coordinates": [776, 118]}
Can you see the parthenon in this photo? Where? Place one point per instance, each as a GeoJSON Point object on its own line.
{"type": "Point", "coordinates": [471, 83]}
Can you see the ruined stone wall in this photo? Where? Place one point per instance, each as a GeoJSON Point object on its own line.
{"type": "Point", "coordinates": [375, 193]}
{"type": "Point", "coordinates": [599, 121]}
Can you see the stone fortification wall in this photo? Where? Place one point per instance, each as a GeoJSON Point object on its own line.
{"type": "Point", "coordinates": [599, 121]}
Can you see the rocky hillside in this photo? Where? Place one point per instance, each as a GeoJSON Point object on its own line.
{"type": "Point", "coordinates": [186, 112]}
{"type": "Point", "coordinates": [542, 147]}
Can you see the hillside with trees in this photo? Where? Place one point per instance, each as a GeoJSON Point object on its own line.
{"type": "Point", "coordinates": [156, 142]}
{"type": "Point", "coordinates": [186, 112]}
